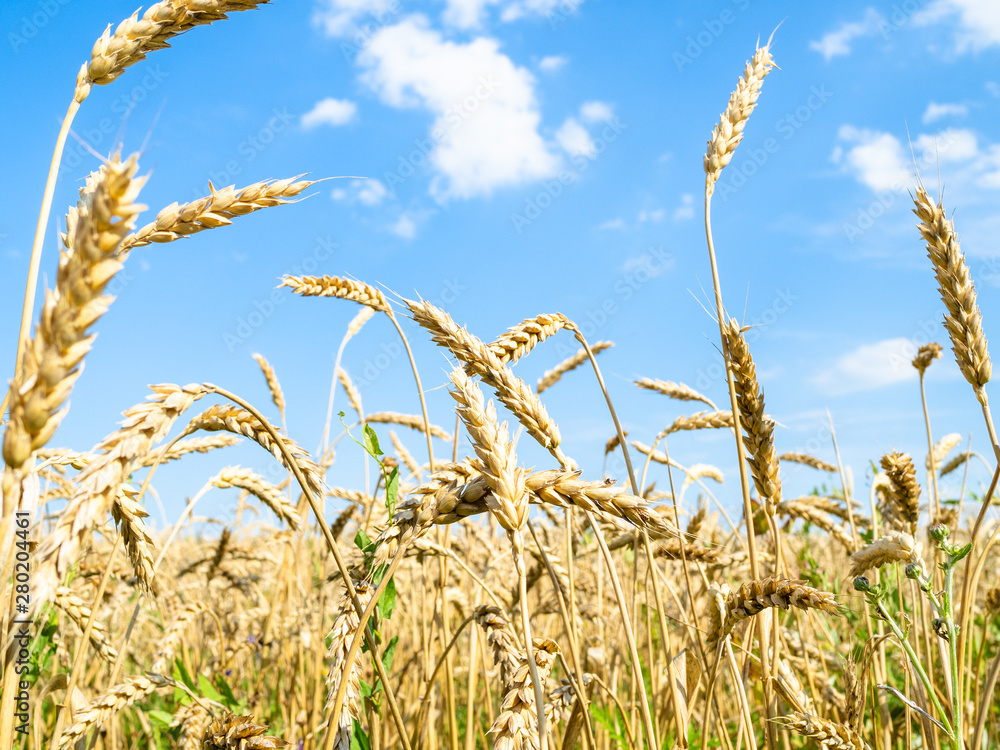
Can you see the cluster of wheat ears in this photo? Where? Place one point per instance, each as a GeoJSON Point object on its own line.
{"type": "Point", "coordinates": [539, 609]}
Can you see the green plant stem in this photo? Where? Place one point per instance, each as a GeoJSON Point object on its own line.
{"type": "Point", "coordinates": [955, 668]}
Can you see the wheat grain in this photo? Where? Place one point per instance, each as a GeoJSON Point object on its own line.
{"type": "Point", "coordinates": [824, 732]}
{"type": "Point", "coordinates": [135, 38]}
{"type": "Point", "coordinates": [335, 286]}
{"type": "Point", "coordinates": [230, 732]}
{"type": "Point", "coordinates": [525, 336]}
{"type": "Point", "coordinates": [729, 132]}
{"type": "Point", "coordinates": [963, 320]}
{"type": "Point", "coordinates": [678, 391]}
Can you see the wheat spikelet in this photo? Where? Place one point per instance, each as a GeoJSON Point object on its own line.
{"type": "Point", "coordinates": [522, 338]}
{"type": "Point", "coordinates": [78, 611]}
{"type": "Point", "coordinates": [824, 732]}
{"type": "Point", "coordinates": [190, 445]}
{"type": "Point", "coordinates": [507, 500]}
{"type": "Point", "coordinates": [344, 628]}
{"type": "Point", "coordinates": [501, 639]}
{"type": "Point", "coordinates": [565, 489]}
{"type": "Point", "coordinates": [104, 707]}
{"type": "Point", "coordinates": [758, 429]}
{"type": "Point", "coordinates": [335, 286]}
{"type": "Point", "coordinates": [703, 420]}
{"type": "Point", "coordinates": [192, 720]}
{"type": "Point", "coordinates": [562, 699]}
{"type": "Point", "coordinates": [173, 633]}
{"type": "Point", "coordinates": [902, 490]}
{"type": "Point", "coordinates": [220, 552]}
{"type": "Point", "coordinates": [216, 210]}
{"type": "Point", "coordinates": [807, 460]}
{"type": "Point", "coordinates": [128, 514]}
{"type": "Point", "coordinates": [729, 132]}
{"type": "Point", "coordinates": [755, 596]}
{"type": "Point", "coordinates": [135, 38]}
{"type": "Point", "coordinates": [955, 462]}
{"type": "Point", "coordinates": [353, 395]}
{"type": "Point", "coordinates": [53, 358]}
{"type": "Point", "coordinates": [234, 419]}
{"type": "Point", "coordinates": [357, 323]}
{"type": "Point", "coordinates": [277, 395]}
{"type": "Point", "coordinates": [229, 732]}
{"type": "Point", "coordinates": [963, 320]}
{"type": "Point", "coordinates": [98, 485]}
{"type": "Point", "coordinates": [515, 726]}
{"type": "Point", "coordinates": [406, 420]}
{"type": "Point", "coordinates": [265, 491]}
{"type": "Point", "coordinates": [895, 546]}
{"type": "Point", "coordinates": [678, 391]}
{"type": "Point", "coordinates": [941, 449]}
{"type": "Point", "coordinates": [513, 392]}
{"type": "Point", "coordinates": [925, 356]}
{"type": "Point", "coordinates": [553, 376]}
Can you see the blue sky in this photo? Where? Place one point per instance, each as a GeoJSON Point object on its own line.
{"type": "Point", "coordinates": [513, 157]}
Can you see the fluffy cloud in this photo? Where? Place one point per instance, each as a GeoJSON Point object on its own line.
{"type": "Point", "coordinates": [596, 111]}
{"type": "Point", "coordinates": [685, 211]}
{"type": "Point", "coordinates": [368, 192]}
{"type": "Point", "coordinates": [978, 22]}
{"type": "Point", "coordinates": [405, 226]}
{"type": "Point", "coordinates": [868, 367]}
{"type": "Point", "coordinates": [330, 111]}
{"type": "Point", "coordinates": [838, 42]}
{"type": "Point", "coordinates": [574, 139]}
{"type": "Point", "coordinates": [876, 159]}
{"type": "Point", "coordinates": [466, 14]}
{"type": "Point", "coordinates": [546, 8]}
{"type": "Point", "coordinates": [936, 111]}
{"type": "Point", "coordinates": [339, 17]}
{"type": "Point", "coordinates": [485, 134]}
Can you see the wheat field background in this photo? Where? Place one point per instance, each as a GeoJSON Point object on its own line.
{"type": "Point", "coordinates": [446, 570]}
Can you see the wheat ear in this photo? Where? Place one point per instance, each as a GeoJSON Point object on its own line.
{"type": "Point", "coordinates": [335, 286]}
{"type": "Point", "coordinates": [902, 489]}
{"type": "Point", "coordinates": [678, 391]}
{"type": "Point", "coordinates": [78, 611]}
{"type": "Point", "coordinates": [229, 732]}
{"type": "Point", "coordinates": [265, 491]}
{"type": "Point", "coordinates": [344, 628]}
{"type": "Point", "coordinates": [553, 376]}
{"type": "Point", "coordinates": [515, 726]}
{"type": "Point", "coordinates": [807, 460]}
{"type": "Point", "coordinates": [526, 335]}
{"type": "Point", "coordinates": [824, 732]}
{"type": "Point", "coordinates": [104, 707]}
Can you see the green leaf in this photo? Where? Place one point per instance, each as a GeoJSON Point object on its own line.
{"type": "Point", "coordinates": [961, 553]}
{"type": "Point", "coordinates": [387, 602]}
{"type": "Point", "coordinates": [366, 689]}
{"type": "Point", "coordinates": [371, 442]}
{"type": "Point", "coordinates": [181, 673]}
{"type": "Point", "coordinates": [160, 717]}
{"type": "Point", "coordinates": [361, 540]}
{"type": "Point", "coordinates": [231, 702]}
{"type": "Point", "coordinates": [392, 490]}
{"type": "Point", "coordinates": [208, 690]}
{"type": "Point", "coordinates": [389, 653]}
{"type": "Point", "coordinates": [359, 739]}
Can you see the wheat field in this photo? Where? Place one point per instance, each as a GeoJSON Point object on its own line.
{"type": "Point", "coordinates": [469, 601]}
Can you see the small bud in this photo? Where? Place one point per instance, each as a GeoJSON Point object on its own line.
{"type": "Point", "coordinates": [914, 572]}
{"type": "Point", "coordinates": [938, 532]}
{"type": "Point", "coordinates": [862, 584]}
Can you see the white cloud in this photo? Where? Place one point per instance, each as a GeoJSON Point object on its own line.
{"type": "Point", "coordinates": [486, 129]}
{"type": "Point", "coordinates": [953, 144]}
{"type": "Point", "coordinates": [876, 159]}
{"type": "Point", "coordinates": [868, 367]}
{"type": "Point", "coordinates": [369, 192]}
{"type": "Point", "coordinates": [596, 111]}
{"type": "Point", "coordinates": [338, 17]}
{"type": "Point", "coordinates": [552, 63]}
{"type": "Point", "coordinates": [685, 211]}
{"type": "Point", "coordinates": [838, 42]}
{"type": "Point", "coordinates": [574, 139]}
{"type": "Point", "coordinates": [978, 22]}
{"type": "Point", "coordinates": [466, 14]}
{"type": "Point", "coordinates": [653, 215]}
{"type": "Point", "coordinates": [545, 8]}
{"type": "Point", "coordinates": [611, 224]}
{"type": "Point", "coordinates": [404, 227]}
{"type": "Point", "coordinates": [936, 111]}
{"type": "Point", "coordinates": [330, 111]}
